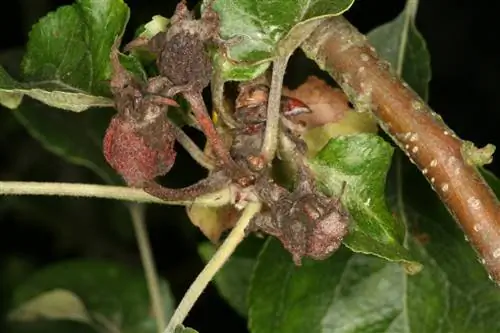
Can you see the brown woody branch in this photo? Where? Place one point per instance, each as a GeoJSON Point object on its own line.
{"type": "Point", "coordinates": [345, 53]}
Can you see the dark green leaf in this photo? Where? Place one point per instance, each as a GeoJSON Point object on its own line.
{"type": "Point", "coordinates": [357, 293]}
{"type": "Point", "coordinates": [232, 280]}
{"type": "Point", "coordinates": [262, 25]}
{"type": "Point", "coordinates": [74, 137]}
{"type": "Point", "coordinates": [465, 300]}
{"type": "Point", "coordinates": [400, 43]}
{"type": "Point", "coordinates": [67, 60]}
{"type": "Point", "coordinates": [114, 295]}
{"type": "Point", "coordinates": [67, 64]}
{"type": "Point", "coordinates": [71, 45]}
{"type": "Point", "coordinates": [492, 180]}
{"type": "Point", "coordinates": [362, 162]}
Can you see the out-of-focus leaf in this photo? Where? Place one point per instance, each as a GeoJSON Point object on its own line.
{"type": "Point", "coordinates": [357, 293]}
{"type": "Point", "coordinates": [400, 43]}
{"type": "Point", "coordinates": [56, 304]}
{"type": "Point", "coordinates": [75, 137]}
{"type": "Point", "coordinates": [233, 280]}
{"type": "Point", "coordinates": [114, 296]}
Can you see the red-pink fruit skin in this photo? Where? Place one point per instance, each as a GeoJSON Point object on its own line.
{"type": "Point", "coordinates": [132, 156]}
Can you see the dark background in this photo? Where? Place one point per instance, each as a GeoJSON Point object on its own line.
{"type": "Point", "coordinates": [462, 39]}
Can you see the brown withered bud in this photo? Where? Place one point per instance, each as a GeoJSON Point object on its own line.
{"type": "Point", "coordinates": [139, 143]}
{"type": "Point", "coordinates": [307, 222]}
{"type": "Point", "coordinates": [185, 67]}
{"type": "Point", "coordinates": [181, 51]}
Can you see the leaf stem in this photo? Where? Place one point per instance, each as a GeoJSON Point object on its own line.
{"type": "Point", "coordinates": [138, 220]}
{"type": "Point", "coordinates": [216, 262]}
{"type": "Point", "coordinates": [270, 143]}
{"type": "Point", "coordinates": [216, 199]}
{"type": "Point", "coordinates": [340, 49]}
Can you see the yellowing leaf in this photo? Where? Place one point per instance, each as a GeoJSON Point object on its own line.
{"type": "Point", "coordinates": [213, 221]}
{"type": "Point", "coordinates": [56, 304]}
{"type": "Point", "coordinates": [352, 123]}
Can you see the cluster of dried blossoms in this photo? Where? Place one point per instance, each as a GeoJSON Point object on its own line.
{"type": "Point", "coordinates": [139, 142]}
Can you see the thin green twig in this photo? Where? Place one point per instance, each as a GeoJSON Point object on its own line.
{"type": "Point", "coordinates": [216, 199]}
{"type": "Point", "coordinates": [138, 220]}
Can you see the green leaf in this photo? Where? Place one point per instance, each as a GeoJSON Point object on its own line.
{"type": "Point", "coordinates": [115, 296]}
{"type": "Point", "coordinates": [51, 93]}
{"type": "Point", "coordinates": [67, 63]}
{"type": "Point", "coordinates": [75, 137]}
{"type": "Point", "coordinates": [362, 162]}
{"type": "Point", "coordinates": [233, 280]}
{"type": "Point", "coordinates": [491, 179]}
{"type": "Point", "coordinates": [470, 301]}
{"type": "Point", "coordinates": [71, 45]}
{"type": "Point", "coordinates": [262, 25]}
{"type": "Point", "coordinates": [357, 293]}
{"type": "Point", "coordinates": [400, 43]}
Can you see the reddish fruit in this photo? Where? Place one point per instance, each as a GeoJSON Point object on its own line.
{"type": "Point", "coordinates": [139, 154]}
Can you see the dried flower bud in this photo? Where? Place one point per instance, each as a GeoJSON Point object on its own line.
{"type": "Point", "coordinates": [307, 222]}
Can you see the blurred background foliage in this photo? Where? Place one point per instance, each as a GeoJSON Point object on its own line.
{"type": "Point", "coordinates": [36, 232]}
